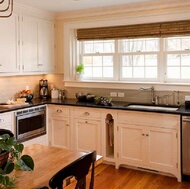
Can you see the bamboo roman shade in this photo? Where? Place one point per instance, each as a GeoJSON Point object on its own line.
{"type": "Point", "coordinates": [165, 29]}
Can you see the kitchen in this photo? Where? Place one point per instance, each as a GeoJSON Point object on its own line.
{"type": "Point", "coordinates": [18, 81]}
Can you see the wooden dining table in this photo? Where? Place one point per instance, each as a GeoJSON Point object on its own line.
{"type": "Point", "coordinates": [47, 161]}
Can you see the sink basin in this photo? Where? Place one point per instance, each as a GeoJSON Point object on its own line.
{"type": "Point", "coordinates": [152, 107]}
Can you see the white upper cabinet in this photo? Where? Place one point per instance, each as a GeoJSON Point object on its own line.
{"type": "Point", "coordinates": [9, 46]}
{"type": "Point", "coordinates": [37, 45]}
{"type": "Point", "coordinates": [46, 45]}
{"type": "Point", "coordinates": [29, 44]}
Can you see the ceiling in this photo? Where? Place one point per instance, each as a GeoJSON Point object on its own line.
{"type": "Point", "coordinates": [72, 5]}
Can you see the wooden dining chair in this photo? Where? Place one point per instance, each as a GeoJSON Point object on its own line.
{"type": "Point", "coordinates": [79, 169]}
{"type": "Point", "coordinates": [6, 131]}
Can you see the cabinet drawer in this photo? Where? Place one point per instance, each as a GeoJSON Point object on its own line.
{"type": "Point", "coordinates": [5, 118]}
{"type": "Point", "coordinates": [58, 110]}
{"type": "Point", "coordinates": [87, 113]}
{"type": "Point", "coordinates": [149, 119]}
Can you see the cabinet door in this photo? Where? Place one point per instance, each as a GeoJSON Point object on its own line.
{"type": "Point", "coordinates": [162, 148]}
{"type": "Point", "coordinates": [87, 135]}
{"type": "Point", "coordinates": [60, 132]}
{"type": "Point", "coordinates": [9, 56]}
{"type": "Point", "coordinates": [46, 45]}
{"type": "Point", "coordinates": [29, 44]}
{"type": "Point", "coordinates": [131, 144]}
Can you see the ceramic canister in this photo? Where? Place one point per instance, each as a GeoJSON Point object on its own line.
{"type": "Point", "coordinates": [54, 93]}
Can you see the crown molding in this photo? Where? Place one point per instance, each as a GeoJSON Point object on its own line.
{"type": "Point", "coordinates": [24, 9]}
{"type": "Point", "coordinates": [155, 6]}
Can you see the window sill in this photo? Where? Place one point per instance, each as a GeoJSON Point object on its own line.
{"type": "Point", "coordinates": [127, 85]}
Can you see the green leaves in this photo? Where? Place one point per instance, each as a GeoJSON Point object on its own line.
{"type": "Point", "coordinates": [25, 163]}
{"type": "Point", "coordinates": [9, 167]}
{"type": "Point", "coordinates": [15, 160]}
{"type": "Point", "coordinates": [6, 181]}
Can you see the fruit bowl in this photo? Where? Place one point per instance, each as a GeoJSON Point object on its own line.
{"type": "Point", "coordinates": [26, 94]}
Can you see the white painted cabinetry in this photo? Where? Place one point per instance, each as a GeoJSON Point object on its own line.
{"type": "Point", "coordinates": [146, 140]}
{"type": "Point", "coordinates": [59, 126]}
{"type": "Point", "coordinates": [87, 129]}
{"type": "Point", "coordinates": [9, 44]}
{"type": "Point", "coordinates": [6, 121]}
{"type": "Point", "coordinates": [37, 45]}
{"type": "Point", "coordinates": [46, 45]}
{"type": "Point", "coordinates": [149, 141]}
{"type": "Point", "coordinates": [75, 128]}
{"type": "Point", "coordinates": [29, 44]}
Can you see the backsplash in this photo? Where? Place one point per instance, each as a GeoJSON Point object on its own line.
{"type": "Point", "coordinates": [164, 97]}
{"type": "Point", "coordinates": [140, 96]}
{"type": "Point", "coordinates": [10, 86]}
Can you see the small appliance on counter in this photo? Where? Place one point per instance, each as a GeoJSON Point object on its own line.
{"type": "Point", "coordinates": [187, 102]}
{"type": "Point", "coordinates": [54, 93]}
{"type": "Point", "coordinates": [43, 85]}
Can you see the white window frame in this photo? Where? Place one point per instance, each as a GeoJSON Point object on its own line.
{"type": "Point", "coordinates": [70, 53]}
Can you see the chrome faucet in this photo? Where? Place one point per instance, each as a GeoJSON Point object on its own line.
{"type": "Point", "coordinates": [154, 99]}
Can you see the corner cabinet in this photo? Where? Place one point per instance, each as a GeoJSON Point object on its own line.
{"type": "Point", "coordinates": [87, 129]}
{"type": "Point", "coordinates": [149, 141]}
{"type": "Point", "coordinates": [59, 126]}
{"type": "Point", "coordinates": [37, 45]}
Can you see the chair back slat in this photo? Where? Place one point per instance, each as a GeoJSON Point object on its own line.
{"type": "Point", "coordinates": [5, 131]}
{"type": "Point", "coordinates": [79, 169]}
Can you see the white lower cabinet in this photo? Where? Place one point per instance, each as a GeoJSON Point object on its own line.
{"type": "Point", "coordinates": [87, 135]}
{"type": "Point", "coordinates": [60, 132]}
{"type": "Point", "coordinates": [87, 129]}
{"type": "Point", "coordinates": [145, 140]}
{"type": "Point", "coordinates": [151, 146]}
{"type": "Point", "coordinates": [6, 121]}
{"type": "Point", "coordinates": [59, 126]}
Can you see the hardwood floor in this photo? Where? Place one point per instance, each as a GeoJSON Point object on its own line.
{"type": "Point", "coordinates": [107, 177]}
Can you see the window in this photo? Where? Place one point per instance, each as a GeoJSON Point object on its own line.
{"type": "Point", "coordinates": [178, 58]}
{"type": "Point", "coordinates": [137, 59]}
{"type": "Point", "coordinates": [98, 58]}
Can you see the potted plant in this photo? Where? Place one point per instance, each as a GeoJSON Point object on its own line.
{"type": "Point", "coordinates": [79, 70]}
{"type": "Point", "coordinates": [12, 158]}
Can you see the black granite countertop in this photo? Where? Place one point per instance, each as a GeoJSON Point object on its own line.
{"type": "Point", "coordinates": [73, 102]}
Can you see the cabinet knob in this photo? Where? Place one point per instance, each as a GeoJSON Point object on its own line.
{"type": "Point", "coordinates": [59, 111]}
{"type": "Point", "coordinates": [143, 134]}
{"type": "Point", "coordinates": [86, 113]}
{"type": "Point", "coordinates": [147, 134]}
{"type": "Point", "coordinates": [86, 121]}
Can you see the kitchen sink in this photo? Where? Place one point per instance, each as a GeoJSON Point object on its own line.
{"type": "Point", "coordinates": [152, 107]}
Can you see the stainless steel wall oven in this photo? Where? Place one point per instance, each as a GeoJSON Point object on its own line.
{"type": "Point", "coordinates": [30, 123]}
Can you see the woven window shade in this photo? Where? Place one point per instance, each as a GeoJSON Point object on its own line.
{"type": "Point", "coordinates": [178, 28]}
{"type": "Point", "coordinates": [130, 31]}
{"type": "Point", "coordinates": [165, 29]}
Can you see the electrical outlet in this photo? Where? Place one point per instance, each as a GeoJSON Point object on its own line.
{"type": "Point", "coordinates": [121, 94]}
{"type": "Point", "coordinates": [187, 98]}
{"type": "Point", "coordinates": [113, 94]}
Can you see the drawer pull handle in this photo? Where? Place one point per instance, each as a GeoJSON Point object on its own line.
{"type": "Point", "coordinates": [59, 111]}
{"type": "Point", "coordinates": [86, 113]}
